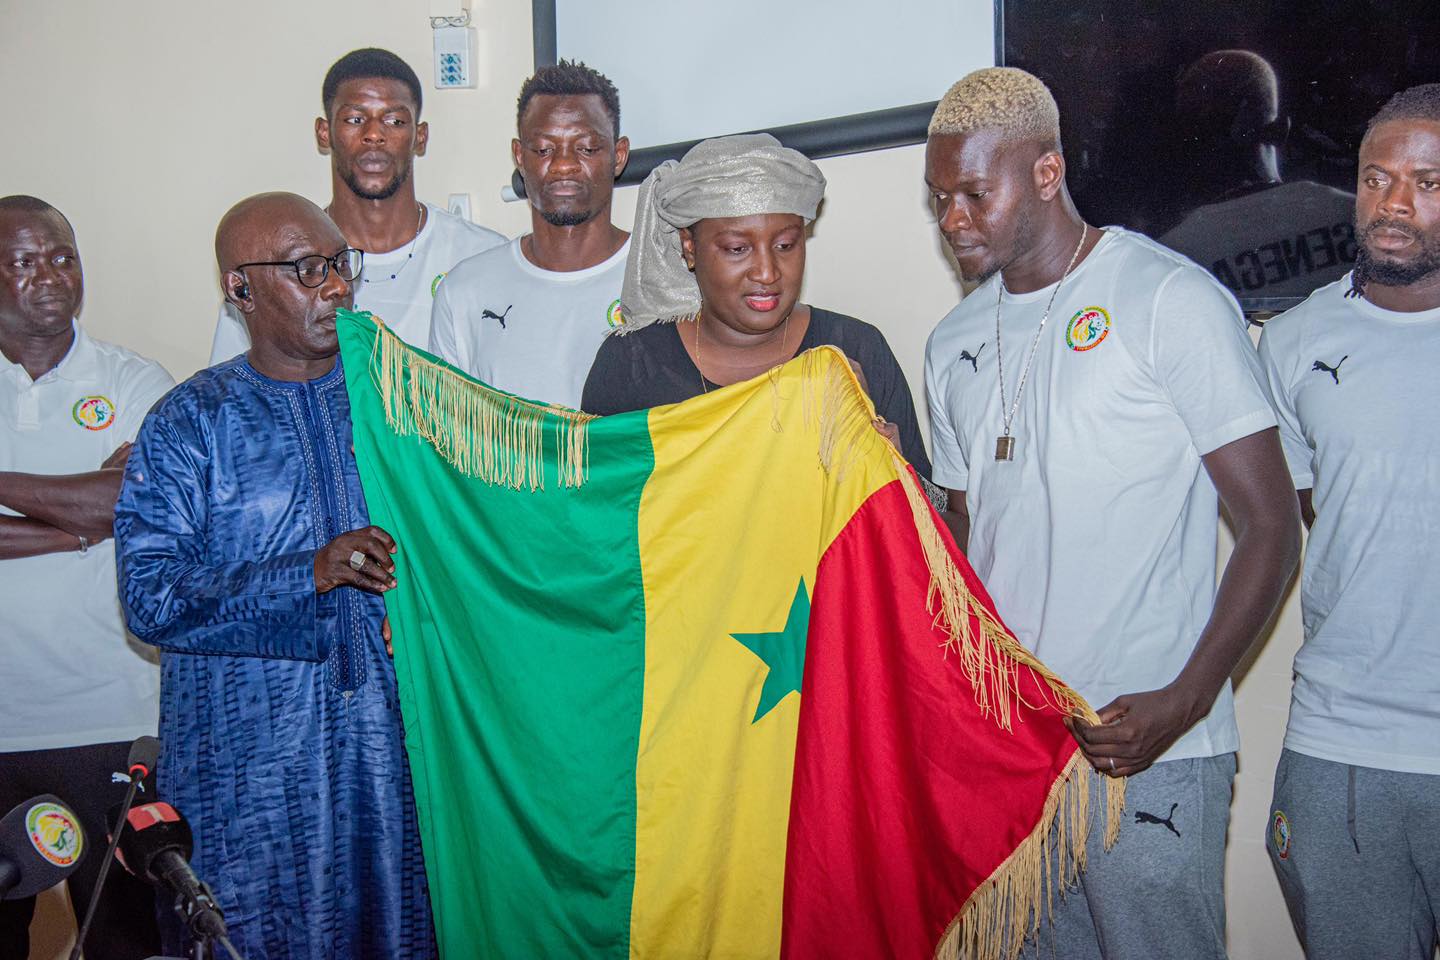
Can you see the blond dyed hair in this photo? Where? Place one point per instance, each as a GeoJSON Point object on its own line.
{"type": "Point", "coordinates": [1007, 99]}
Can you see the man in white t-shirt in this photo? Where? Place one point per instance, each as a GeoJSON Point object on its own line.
{"type": "Point", "coordinates": [529, 317]}
{"type": "Point", "coordinates": [77, 688]}
{"type": "Point", "coordinates": [372, 131]}
{"type": "Point", "coordinates": [1354, 828]}
{"type": "Point", "coordinates": [1086, 498]}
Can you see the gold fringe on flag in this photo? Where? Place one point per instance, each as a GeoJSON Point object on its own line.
{"type": "Point", "coordinates": [498, 438]}
{"type": "Point", "coordinates": [1006, 908]}
{"type": "Point", "coordinates": [847, 428]}
{"type": "Point", "coordinates": [482, 432]}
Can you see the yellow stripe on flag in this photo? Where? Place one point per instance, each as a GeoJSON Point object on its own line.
{"type": "Point", "coordinates": [713, 779]}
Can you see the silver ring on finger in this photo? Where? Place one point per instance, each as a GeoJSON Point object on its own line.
{"type": "Point", "coordinates": [357, 560]}
{"type": "Point", "coordinates": [1112, 759]}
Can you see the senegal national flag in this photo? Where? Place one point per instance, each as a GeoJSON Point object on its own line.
{"type": "Point", "coordinates": [707, 680]}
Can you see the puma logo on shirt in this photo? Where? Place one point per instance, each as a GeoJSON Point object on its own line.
{"type": "Point", "coordinates": [974, 358]}
{"type": "Point", "coordinates": [1322, 366]}
{"type": "Point", "coordinates": [1167, 822]}
{"type": "Point", "coordinates": [488, 314]}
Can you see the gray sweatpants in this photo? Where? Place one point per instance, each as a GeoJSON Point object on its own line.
{"type": "Point", "coordinates": [1357, 851]}
{"type": "Point", "coordinates": [1159, 893]}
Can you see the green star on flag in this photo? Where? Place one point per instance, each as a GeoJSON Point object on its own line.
{"type": "Point", "coordinates": [783, 653]}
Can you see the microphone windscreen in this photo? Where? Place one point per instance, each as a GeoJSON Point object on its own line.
{"type": "Point", "coordinates": [144, 752]}
{"type": "Point", "coordinates": [153, 829]}
{"type": "Point", "coordinates": [43, 839]}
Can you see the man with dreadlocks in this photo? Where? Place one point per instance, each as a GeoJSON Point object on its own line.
{"type": "Point", "coordinates": [1090, 402]}
{"type": "Point", "coordinates": [1354, 829]}
{"type": "Point", "coordinates": [528, 317]}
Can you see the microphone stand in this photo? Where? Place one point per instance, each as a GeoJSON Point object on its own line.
{"type": "Point", "coordinates": [202, 920]}
{"type": "Point", "coordinates": [204, 948]}
{"type": "Point", "coordinates": [78, 950]}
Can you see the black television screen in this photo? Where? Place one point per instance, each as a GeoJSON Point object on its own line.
{"type": "Point", "coordinates": [1226, 129]}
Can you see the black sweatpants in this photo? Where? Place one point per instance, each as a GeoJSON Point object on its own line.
{"type": "Point", "coordinates": [124, 925]}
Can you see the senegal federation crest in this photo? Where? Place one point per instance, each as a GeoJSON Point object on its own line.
{"type": "Point", "coordinates": [1280, 835]}
{"type": "Point", "coordinates": [53, 833]}
{"type": "Point", "coordinates": [1087, 329]}
{"type": "Point", "coordinates": [94, 413]}
{"type": "Point", "coordinates": [614, 316]}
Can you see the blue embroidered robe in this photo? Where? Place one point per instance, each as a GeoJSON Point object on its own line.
{"type": "Point", "coordinates": [279, 715]}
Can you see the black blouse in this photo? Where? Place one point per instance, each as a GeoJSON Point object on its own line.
{"type": "Point", "coordinates": [650, 367]}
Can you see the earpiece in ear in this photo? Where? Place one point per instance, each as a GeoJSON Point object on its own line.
{"type": "Point", "coordinates": [242, 292]}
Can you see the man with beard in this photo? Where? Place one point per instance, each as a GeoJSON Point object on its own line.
{"type": "Point", "coordinates": [1116, 402]}
{"type": "Point", "coordinates": [77, 688]}
{"type": "Point", "coordinates": [246, 555]}
{"type": "Point", "coordinates": [1354, 829]}
{"type": "Point", "coordinates": [528, 317]}
{"type": "Point", "coordinates": [373, 133]}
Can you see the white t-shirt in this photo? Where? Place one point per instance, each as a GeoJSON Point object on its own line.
{"type": "Point", "coordinates": [1363, 439]}
{"type": "Point", "coordinates": [1280, 242]}
{"type": "Point", "coordinates": [404, 302]}
{"type": "Point", "coordinates": [1098, 540]}
{"type": "Point", "coordinates": [525, 330]}
{"type": "Point", "coordinates": [71, 673]}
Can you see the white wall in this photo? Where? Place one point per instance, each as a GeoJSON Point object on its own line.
{"type": "Point", "coordinates": [144, 120]}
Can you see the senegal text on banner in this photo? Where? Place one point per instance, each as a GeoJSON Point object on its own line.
{"type": "Point", "coordinates": [707, 680]}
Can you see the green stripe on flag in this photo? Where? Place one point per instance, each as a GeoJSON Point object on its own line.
{"type": "Point", "coordinates": [513, 660]}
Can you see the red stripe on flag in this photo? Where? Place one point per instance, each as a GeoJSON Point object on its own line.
{"type": "Point", "coordinates": [905, 797]}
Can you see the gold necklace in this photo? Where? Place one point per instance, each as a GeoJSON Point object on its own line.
{"type": "Point", "coordinates": [784, 339]}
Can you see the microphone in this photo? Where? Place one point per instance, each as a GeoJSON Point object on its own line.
{"type": "Point", "coordinates": [41, 843]}
{"type": "Point", "coordinates": [157, 848]}
{"type": "Point", "coordinates": [144, 752]}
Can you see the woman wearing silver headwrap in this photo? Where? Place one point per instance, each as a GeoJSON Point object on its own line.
{"type": "Point", "coordinates": [712, 285]}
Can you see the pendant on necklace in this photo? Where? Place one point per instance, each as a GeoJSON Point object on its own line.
{"type": "Point", "coordinates": [1004, 448]}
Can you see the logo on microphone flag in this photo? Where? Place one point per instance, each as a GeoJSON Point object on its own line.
{"type": "Point", "coordinates": [148, 814]}
{"type": "Point", "coordinates": [54, 834]}
{"type": "Point", "coordinates": [709, 679]}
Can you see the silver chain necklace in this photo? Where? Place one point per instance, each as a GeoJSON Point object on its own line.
{"type": "Point", "coordinates": [1005, 444]}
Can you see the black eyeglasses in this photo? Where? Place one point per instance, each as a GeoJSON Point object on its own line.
{"type": "Point", "coordinates": [311, 271]}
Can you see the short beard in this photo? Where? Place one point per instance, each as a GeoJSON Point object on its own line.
{"type": "Point", "coordinates": [566, 218]}
{"type": "Point", "coordinates": [386, 191]}
{"type": "Point", "coordinates": [980, 278]}
{"type": "Point", "coordinates": [1396, 273]}
{"type": "Point", "coordinates": [1024, 240]}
